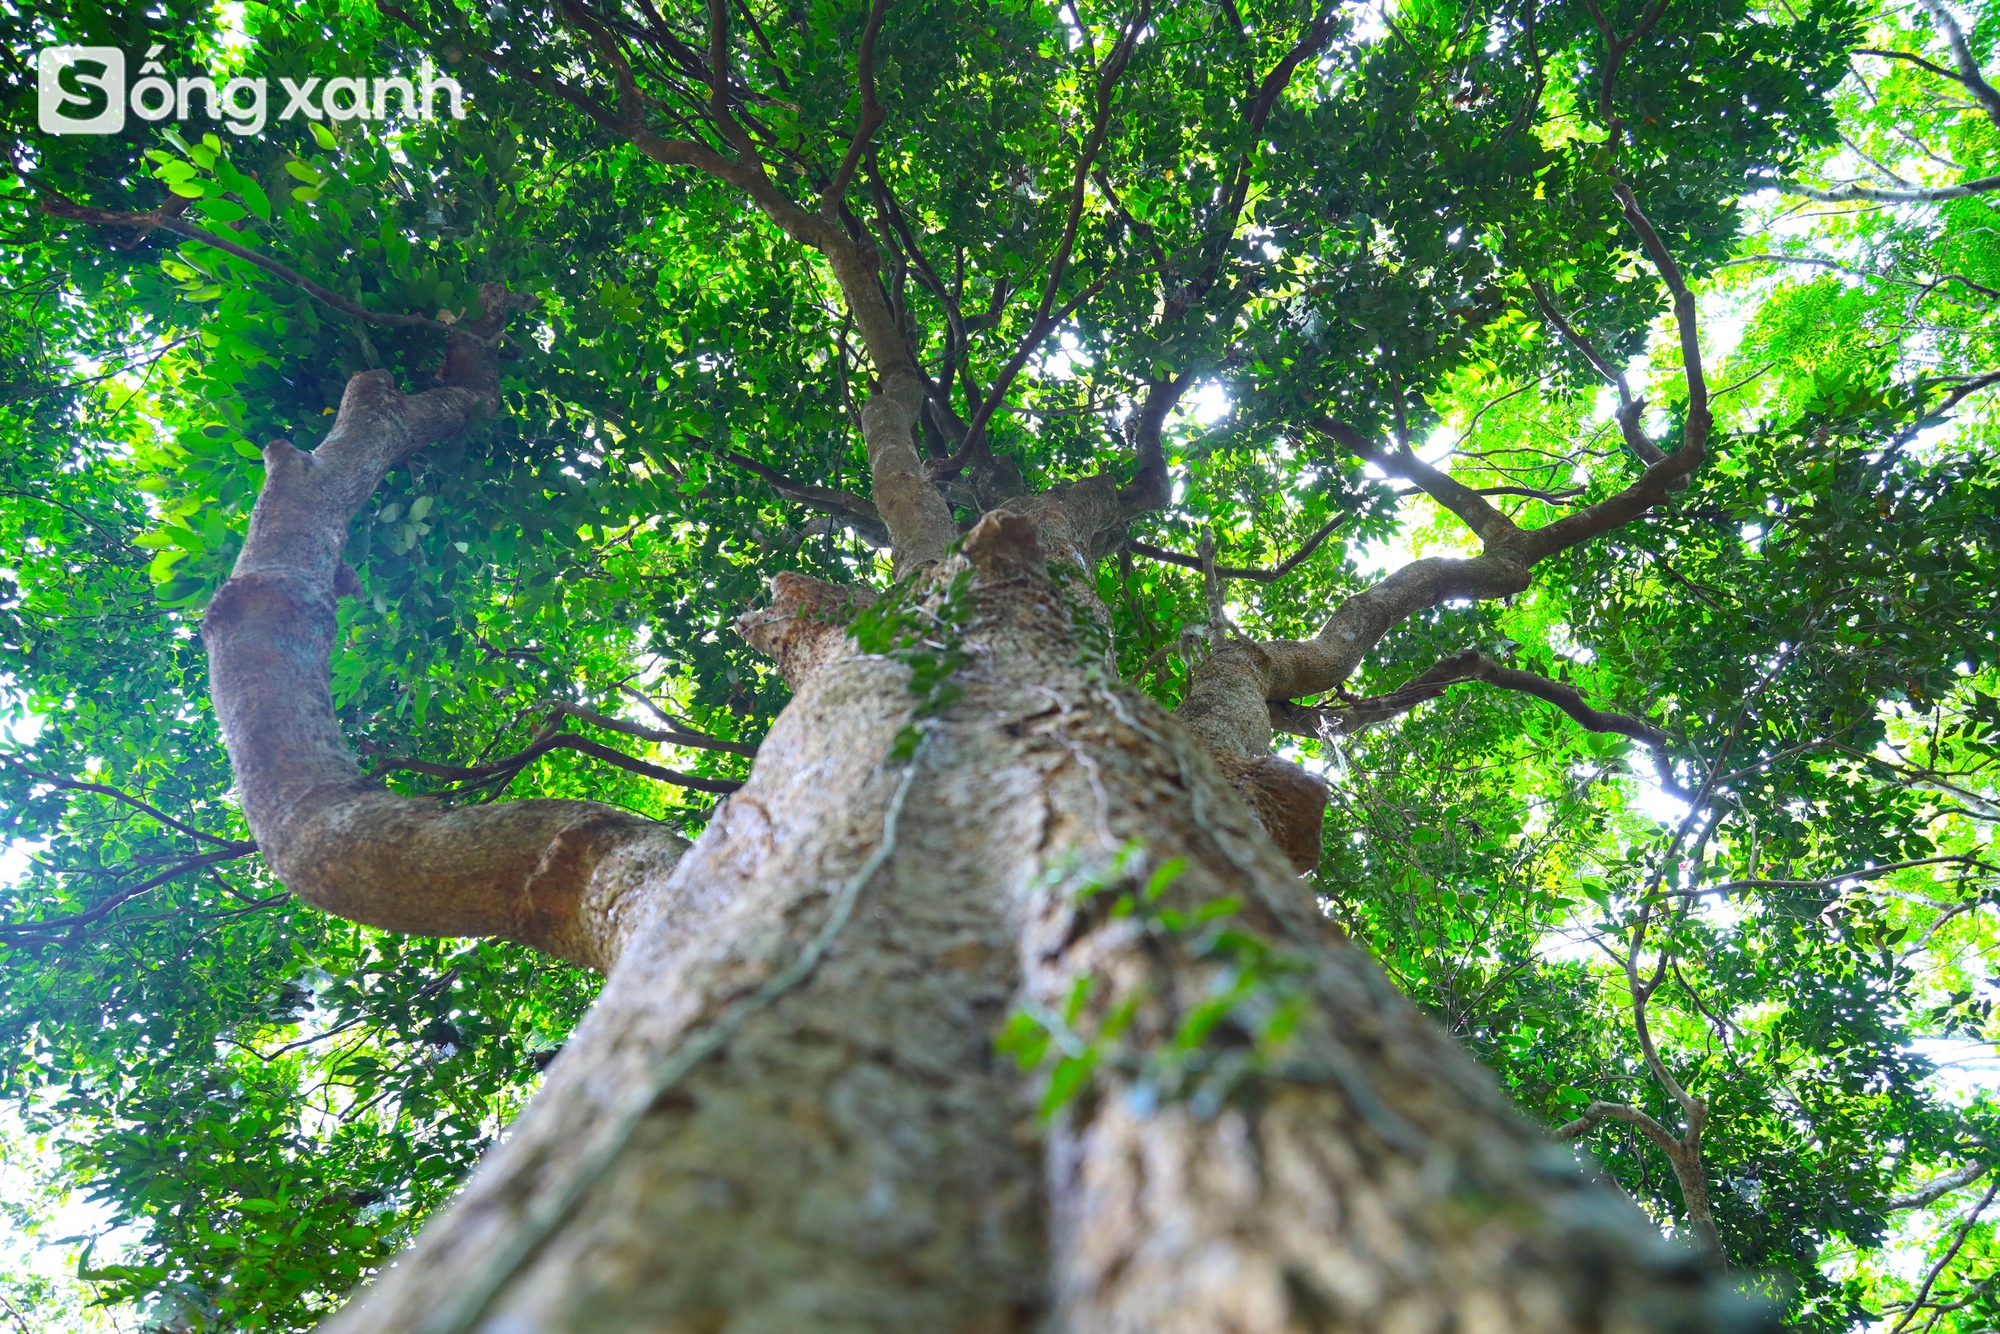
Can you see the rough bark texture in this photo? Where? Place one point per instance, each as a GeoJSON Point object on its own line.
{"type": "Point", "coordinates": [787, 1113]}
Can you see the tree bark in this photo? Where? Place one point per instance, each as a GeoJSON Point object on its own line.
{"type": "Point", "coordinates": [787, 1111]}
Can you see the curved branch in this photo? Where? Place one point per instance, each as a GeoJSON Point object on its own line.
{"type": "Point", "coordinates": [1327, 721]}
{"type": "Point", "coordinates": [1599, 1112]}
{"type": "Point", "coordinates": [56, 205]}
{"type": "Point", "coordinates": [1961, 55]}
{"type": "Point", "coordinates": [552, 741]}
{"type": "Point", "coordinates": [1151, 488]}
{"type": "Point", "coordinates": [1488, 523]}
{"type": "Point", "coordinates": [918, 520]}
{"type": "Point", "coordinates": [549, 873]}
{"type": "Point", "coordinates": [871, 114]}
{"type": "Point", "coordinates": [1631, 408]}
{"type": "Point", "coordinates": [674, 734]}
{"type": "Point", "coordinates": [1938, 1187]}
{"type": "Point", "coordinates": [124, 798]}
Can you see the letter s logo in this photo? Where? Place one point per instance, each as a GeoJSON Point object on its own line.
{"type": "Point", "coordinates": [80, 90]}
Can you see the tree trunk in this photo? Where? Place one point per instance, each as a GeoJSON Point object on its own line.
{"type": "Point", "coordinates": [787, 1112]}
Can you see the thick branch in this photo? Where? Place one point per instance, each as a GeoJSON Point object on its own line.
{"type": "Point", "coordinates": [1599, 1112]}
{"type": "Point", "coordinates": [1488, 523]}
{"type": "Point", "coordinates": [1227, 702]}
{"type": "Point", "coordinates": [1683, 1155]}
{"type": "Point", "coordinates": [546, 872]}
{"type": "Point", "coordinates": [1151, 488]}
{"type": "Point", "coordinates": [1961, 56]}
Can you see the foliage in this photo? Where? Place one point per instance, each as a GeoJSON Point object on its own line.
{"type": "Point", "coordinates": [268, 1099]}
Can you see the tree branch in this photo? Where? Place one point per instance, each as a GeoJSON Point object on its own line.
{"type": "Point", "coordinates": [918, 521]}
{"type": "Point", "coordinates": [1815, 261]}
{"type": "Point", "coordinates": [1151, 488]}
{"type": "Point", "coordinates": [1961, 56]}
{"type": "Point", "coordinates": [1227, 703]}
{"type": "Point", "coordinates": [1260, 576]}
{"type": "Point", "coordinates": [871, 114]}
{"type": "Point", "coordinates": [1958, 1242]}
{"type": "Point", "coordinates": [682, 734]}
{"type": "Point", "coordinates": [1865, 873]}
{"type": "Point", "coordinates": [1599, 1112]}
{"type": "Point", "coordinates": [57, 205]}
{"type": "Point", "coordinates": [550, 740]}
{"type": "Point", "coordinates": [1488, 523]}
{"type": "Point", "coordinates": [1046, 317]}
{"type": "Point", "coordinates": [124, 798]}
{"type": "Point", "coordinates": [1631, 408]}
{"type": "Point", "coordinates": [856, 512]}
{"type": "Point", "coordinates": [1929, 194]}
{"type": "Point", "coordinates": [56, 926]}
{"type": "Point", "coordinates": [1910, 56]}
{"type": "Point", "coordinates": [1325, 721]}
{"type": "Point", "coordinates": [1938, 1187]}
{"type": "Point", "coordinates": [544, 872]}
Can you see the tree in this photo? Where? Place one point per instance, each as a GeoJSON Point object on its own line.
{"type": "Point", "coordinates": [902, 313]}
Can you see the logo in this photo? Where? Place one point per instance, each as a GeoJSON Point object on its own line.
{"type": "Point", "coordinates": [81, 90]}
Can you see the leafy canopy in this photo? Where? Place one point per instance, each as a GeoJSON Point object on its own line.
{"type": "Point", "coordinates": [1072, 205]}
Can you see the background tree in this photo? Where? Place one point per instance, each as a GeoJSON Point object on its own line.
{"type": "Point", "coordinates": [1318, 371]}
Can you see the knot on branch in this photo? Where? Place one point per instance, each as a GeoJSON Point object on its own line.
{"type": "Point", "coordinates": [805, 627]}
{"type": "Point", "coordinates": [561, 908]}
{"type": "Point", "coordinates": [1004, 547]}
{"type": "Point", "coordinates": [1289, 802]}
{"type": "Point", "coordinates": [270, 598]}
{"type": "Point", "coordinates": [471, 359]}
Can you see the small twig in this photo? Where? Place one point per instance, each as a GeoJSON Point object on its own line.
{"type": "Point", "coordinates": [105, 790]}
{"type": "Point", "coordinates": [58, 925]}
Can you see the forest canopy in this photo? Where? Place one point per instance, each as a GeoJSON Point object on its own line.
{"type": "Point", "coordinates": [1690, 837]}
